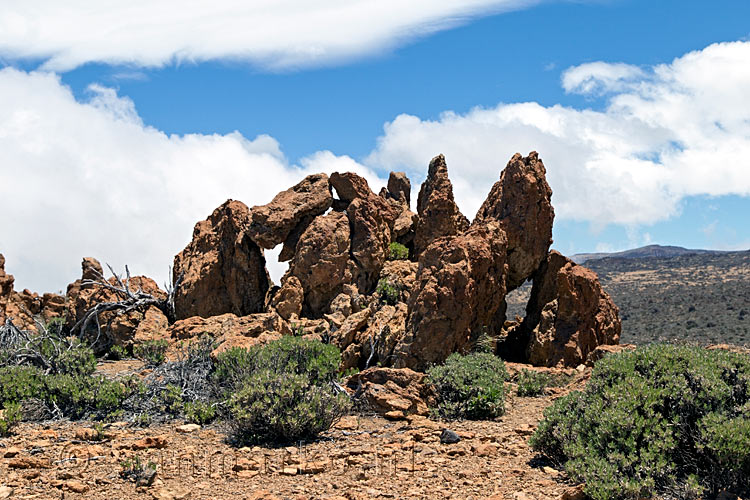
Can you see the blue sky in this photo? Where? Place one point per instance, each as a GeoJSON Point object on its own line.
{"type": "Point", "coordinates": [378, 108]}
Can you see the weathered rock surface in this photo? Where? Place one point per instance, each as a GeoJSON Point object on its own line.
{"type": "Point", "coordinates": [287, 301]}
{"type": "Point", "coordinates": [400, 274]}
{"type": "Point", "coordinates": [147, 324]}
{"type": "Point", "coordinates": [23, 307]}
{"type": "Point", "coordinates": [437, 212]}
{"type": "Point", "coordinates": [520, 202]}
{"type": "Point", "coordinates": [399, 188]}
{"type": "Point", "coordinates": [321, 263]}
{"type": "Point", "coordinates": [273, 223]}
{"type": "Point", "coordinates": [458, 293]}
{"type": "Point", "coordinates": [230, 330]}
{"type": "Point", "coordinates": [568, 314]}
{"type": "Point", "coordinates": [389, 390]}
{"type": "Point", "coordinates": [223, 269]}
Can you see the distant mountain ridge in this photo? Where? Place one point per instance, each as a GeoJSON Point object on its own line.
{"type": "Point", "coordinates": [661, 251]}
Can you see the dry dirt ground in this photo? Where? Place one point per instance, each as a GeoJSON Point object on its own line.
{"type": "Point", "coordinates": [362, 457]}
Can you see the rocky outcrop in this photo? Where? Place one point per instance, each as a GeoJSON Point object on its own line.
{"type": "Point", "coordinates": [391, 392]}
{"type": "Point", "coordinates": [287, 300]}
{"type": "Point", "coordinates": [458, 293]}
{"type": "Point", "coordinates": [321, 262]}
{"type": "Point", "coordinates": [284, 219]}
{"type": "Point", "coordinates": [6, 288]}
{"type": "Point", "coordinates": [222, 269]}
{"type": "Point", "coordinates": [568, 315]}
{"type": "Point", "coordinates": [520, 202]}
{"type": "Point", "coordinates": [399, 188]}
{"type": "Point", "coordinates": [26, 308]}
{"type": "Point", "coordinates": [121, 328]}
{"type": "Point", "coordinates": [230, 330]}
{"type": "Point", "coordinates": [437, 212]}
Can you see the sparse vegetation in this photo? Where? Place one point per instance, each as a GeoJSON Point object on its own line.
{"type": "Point", "coordinates": [663, 420]}
{"type": "Point", "coordinates": [397, 251]}
{"type": "Point", "coordinates": [471, 386]}
{"type": "Point", "coordinates": [531, 383]}
{"type": "Point", "coordinates": [9, 417]}
{"type": "Point", "coordinates": [389, 293]}
{"type": "Point", "coordinates": [153, 352]}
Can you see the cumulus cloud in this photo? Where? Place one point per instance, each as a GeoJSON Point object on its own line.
{"type": "Point", "coordinates": [667, 132]}
{"type": "Point", "coordinates": [275, 34]}
{"type": "Point", "coordinates": [90, 179]}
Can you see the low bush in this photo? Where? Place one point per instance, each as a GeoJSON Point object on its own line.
{"type": "Point", "coordinates": [153, 352]}
{"type": "Point", "coordinates": [9, 417]}
{"type": "Point", "coordinates": [389, 293]}
{"type": "Point", "coordinates": [283, 407]}
{"type": "Point", "coordinates": [397, 251]}
{"type": "Point", "coordinates": [664, 420]}
{"type": "Point", "coordinates": [470, 386]}
{"type": "Point", "coordinates": [531, 383]}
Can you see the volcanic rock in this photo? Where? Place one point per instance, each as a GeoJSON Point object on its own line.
{"type": "Point", "coordinates": [23, 307]}
{"type": "Point", "coordinates": [399, 188]}
{"type": "Point", "coordinates": [321, 262]}
{"type": "Point", "coordinates": [6, 288]}
{"type": "Point", "coordinates": [520, 202]}
{"type": "Point", "coordinates": [457, 295]}
{"type": "Point", "coordinates": [222, 269]}
{"type": "Point", "coordinates": [389, 389]}
{"type": "Point", "coordinates": [568, 314]}
{"type": "Point", "coordinates": [232, 331]}
{"type": "Point", "coordinates": [296, 207]}
{"type": "Point", "coordinates": [437, 212]}
{"type": "Point", "coordinates": [287, 301]}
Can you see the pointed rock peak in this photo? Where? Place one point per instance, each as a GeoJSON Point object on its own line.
{"type": "Point", "coordinates": [438, 214]}
{"type": "Point", "coordinates": [350, 186]}
{"type": "Point", "coordinates": [521, 202]}
{"type": "Point", "coordinates": [91, 269]}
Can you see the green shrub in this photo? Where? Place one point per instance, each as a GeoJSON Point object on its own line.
{"type": "Point", "coordinates": [663, 420]}
{"type": "Point", "coordinates": [471, 386]}
{"type": "Point", "coordinates": [11, 415]}
{"type": "Point", "coordinates": [283, 407]}
{"type": "Point", "coordinates": [531, 383]}
{"type": "Point", "coordinates": [397, 251]}
{"type": "Point", "coordinates": [200, 412]}
{"type": "Point", "coordinates": [75, 396]}
{"type": "Point", "coordinates": [317, 361]}
{"type": "Point", "coordinates": [389, 294]}
{"type": "Point", "coordinates": [118, 352]}
{"type": "Point", "coordinates": [153, 352]}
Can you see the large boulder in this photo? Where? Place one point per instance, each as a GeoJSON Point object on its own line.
{"type": "Point", "coordinates": [321, 262]}
{"type": "Point", "coordinates": [6, 288]}
{"type": "Point", "coordinates": [568, 315]}
{"type": "Point", "coordinates": [223, 270]}
{"type": "Point", "coordinates": [458, 295]}
{"type": "Point", "coordinates": [288, 214]}
{"type": "Point", "coordinates": [520, 202]}
{"type": "Point", "coordinates": [437, 212]}
{"type": "Point", "coordinates": [399, 188]}
{"type": "Point", "coordinates": [392, 392]}
{"type": "Point", "coordinates": [287, 300]}
{"type": "Point", "coordinates": [26, 308]}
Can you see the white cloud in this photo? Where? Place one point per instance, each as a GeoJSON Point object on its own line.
{"type": "Point", "coordinates": [668, 132]}
{"type": "Point", "coordinates": [274, 34]}
{"type": "Point", "coordinates": [90, 179]}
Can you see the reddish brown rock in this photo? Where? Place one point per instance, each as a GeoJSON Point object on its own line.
{"type": "Point", "coordinates": [392, 390]}
{"type": "Point", "coordinates": [232, 331]}
{"type": "Point", "coordinates": [458, 294]}
{"type": "Point", "coordinates": [294, 208]}
{"type": "Point", "coordinates": [223, 269]}
{"type": "Point", "coordinates": [321, 262]}
{"type": "Point", "coordinates": [26, 308]}
{"type": "Point", "coordinates": [350, 186]}
{"type": "Point", "coordinates": [6, 288]}
{"type": "Point", "coordinates": [400, 274]}
{"type": "Point", "coordinates": [520, 202]}
{"type": "Point", "coordinates": [568, 315]}
{"type": "Point", "coordinates": [437, 212]}
{"type": "Point", "coordinates": [399, 188]}
{"type": "Point", "coordinates": [122, 328]}
{"type": "Point", "coordinates": [287, 300]}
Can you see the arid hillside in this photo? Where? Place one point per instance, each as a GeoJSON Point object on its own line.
{"type": "Point", "coordinates": [699, 297]}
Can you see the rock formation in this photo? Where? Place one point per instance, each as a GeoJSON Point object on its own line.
{"type": "Point", "coordinates": [399, 188]}
{"type": "Point", "coordinates": [459, 288]}
{"type": "Point", "coordinates": [222, 269]}
{"type": "Point", "coordinates": [568, 314]}
{"type": "Point", "coordinates": [26, 308]}
{"type": "Point", "coordinates": [520, 202]}
{"type": "Point", "coordinates": [285, 218]}
{"type": "Point", "coordinates": [437, 212]}
{"type": "Point", "coordinates": [394, 393]}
